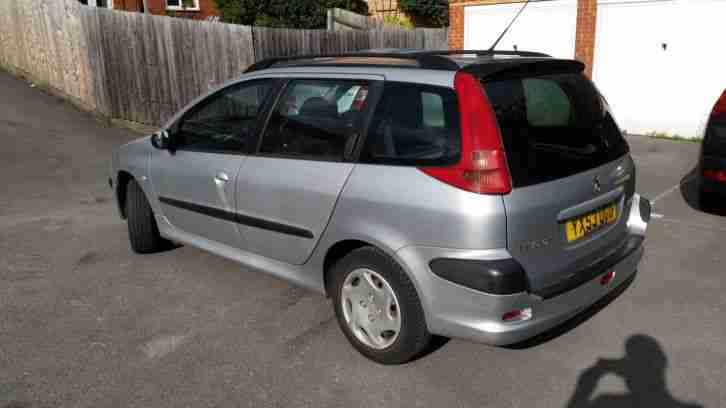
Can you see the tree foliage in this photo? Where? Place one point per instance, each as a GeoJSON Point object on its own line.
{"type": "Point", "coordinates": [434, 13]}
{"type": "Point", "coordinates": [285, 13]}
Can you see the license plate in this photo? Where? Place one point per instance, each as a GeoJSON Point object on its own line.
{"type": "Point", "coordinates": [583, 225]}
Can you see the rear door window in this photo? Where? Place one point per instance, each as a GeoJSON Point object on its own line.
{"type": "Point", "coordinates": [414, 125]}
{"type": "Point", "coordinates": [316, 119]}
{"type": "Point", "coordinates": [553, 126]}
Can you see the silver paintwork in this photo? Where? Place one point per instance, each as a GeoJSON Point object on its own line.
{"type": "Point", "coordinates": [636, 225]}
{"type": "Point", "coordinates": [300, 193]}
{"type": "Point", "coordinates": [370, 308]}
{"type": "Point", "coordinates": [402, 211]}
{"type": "Point", "coordinates": [455, 311]}
{"type": "Point", "coordinates": [531, 211]}
{"type": "Point", "coordinates": [195, 177]}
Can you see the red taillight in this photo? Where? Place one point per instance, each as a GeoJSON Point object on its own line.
{"type": "Point", "coordinates": [483, 165]}
{"type": "Point", "coordinates": [720, 107]}
{"type": "Point", "coordinates": [517, 315]}
{"type": "Point", "coordinates": [718, 175]}
{"type": "Point", "coordinates": [607, 278]}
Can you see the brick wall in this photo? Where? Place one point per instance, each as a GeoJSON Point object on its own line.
{"type": "Point", "coordinates": [206, 8]}
{"type": "Point", "coordinates": [585, 37]}
{"type": "Point", "coordinates": [128, 5]}
{"type": "Point", "coordinates": [456, 27]}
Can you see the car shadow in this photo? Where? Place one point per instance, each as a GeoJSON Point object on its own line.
{"type": "Point", "coordinates": [575, 321]}
{"type": "Point", "coordinates": [437, 342]}
{"type": "Point", "coordinates": [167, 246]}
{"type": "Point", "coordinates": [691, 195]}
{"type": "Point", "coordinates": [643, 369]}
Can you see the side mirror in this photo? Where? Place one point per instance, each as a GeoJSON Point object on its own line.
{"type": "Point", "coordinates": [161, 140]}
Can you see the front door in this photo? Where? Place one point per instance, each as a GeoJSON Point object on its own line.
{"type": "Point", "coordinates": [195, 180]}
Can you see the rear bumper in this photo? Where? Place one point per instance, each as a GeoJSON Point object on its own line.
{"type": "Point", "coordinates": [713, 186]}
{"type": "Point", "coordinates": [453, 310]}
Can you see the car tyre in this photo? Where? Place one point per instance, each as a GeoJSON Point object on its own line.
{"type": "Point", "coordinates": [399, 346]}
{"type": "Point", "coordinates": [143, 231]}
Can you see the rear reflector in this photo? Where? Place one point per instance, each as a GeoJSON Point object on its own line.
{"type": "Point", "coordinates": [607, 278]}
{"type": "Point", "coordinates": [720, 107]}
{"type": "Point", "coordinates": [717, 175]}
{"type": "Point", "coordinates": [517, 315]}
{"type": "Point", "coordinates": [482, 167]}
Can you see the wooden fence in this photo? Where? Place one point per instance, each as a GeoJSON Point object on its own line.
{"type": "Point", "coordinates": [154, 65]}
{"type": "Point", "coordinates": [143, 68]}
{"type": "Point", "coordinates": [277, 42]}
{"type": "Point", "coordinates": [46, 40]}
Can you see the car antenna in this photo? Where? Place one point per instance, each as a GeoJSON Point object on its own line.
{"type": "Point", "coordinates": [510, 25]}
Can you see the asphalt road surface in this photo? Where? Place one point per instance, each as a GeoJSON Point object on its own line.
{"type": "Point", "coordinates": [84, 322]}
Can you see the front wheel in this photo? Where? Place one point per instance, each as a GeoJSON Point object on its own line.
{"type": "Point", "coordinates": [143, 231]}
{"type": "Point", "coordinates": [378, 308]}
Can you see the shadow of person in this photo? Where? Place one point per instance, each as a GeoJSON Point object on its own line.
{"type": "Point", "coordinates": [643, 369]}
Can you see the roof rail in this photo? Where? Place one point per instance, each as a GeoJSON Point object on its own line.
{"type": "Point", "coordinates": [484, 53]}
{"type": "Point", "coordinates": [431, 59]}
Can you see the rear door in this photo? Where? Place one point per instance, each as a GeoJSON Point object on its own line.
{"type": "Point", "coordinates": [572, 177]}
{"type": "Point", "coordinates": [286, 193]}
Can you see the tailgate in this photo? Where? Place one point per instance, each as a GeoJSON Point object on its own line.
{"type": "Point", "coordinates": [571, 173]}
{"type": "Point", "coordinates": [557, 230]}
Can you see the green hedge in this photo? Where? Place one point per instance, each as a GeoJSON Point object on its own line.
{"type": "Point", "coordinates": [433, 13]}
{"type": "Point", "coordinates": [285, 13]}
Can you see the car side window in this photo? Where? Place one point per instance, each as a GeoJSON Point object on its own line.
{"type": "Point", "coordinates": [414, 125]}
{"type": "Point", "coordinates": [226, 121]}
{"type": "Point", "coordinates": [316, 119]}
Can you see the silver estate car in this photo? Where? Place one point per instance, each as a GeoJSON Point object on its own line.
{"type": "Point", "coordinates": [484, 195]}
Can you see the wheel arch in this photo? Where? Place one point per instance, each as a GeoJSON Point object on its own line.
{"type": "Point", "coordinates": [343, 247]}
{"type": "Point", "coordinates": [122, 181]}
{"type": "Point", "coordinates": [337, 252]}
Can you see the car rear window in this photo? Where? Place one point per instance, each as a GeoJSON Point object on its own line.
{"type": "Point", "coordinates": [413, 125]}
{"type": "Point", "coordinates": [553, 126]}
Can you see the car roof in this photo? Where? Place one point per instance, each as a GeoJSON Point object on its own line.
{"type": "Point", "coordinates": [450, 60]}
{"type": "Point", "coordinates": [416, 65]}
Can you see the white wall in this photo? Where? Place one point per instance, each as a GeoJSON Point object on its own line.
{"type": "Point", "coordinates": [649, 88]}
{"type": "Point", "coordinates": [547, 27]}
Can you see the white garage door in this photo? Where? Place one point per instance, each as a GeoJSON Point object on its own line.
{"type": "Point", "coordinates": [660, 64]}
{"type": "Point", "coordinates": [547, 26]}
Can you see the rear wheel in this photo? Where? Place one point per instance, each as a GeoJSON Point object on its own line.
{"type": "Point", "coordinates": [143, 231]}
{"type": "Point", "coordinates": [378, 308]}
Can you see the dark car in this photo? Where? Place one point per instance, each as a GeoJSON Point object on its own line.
{"type": "Point", "coordinates": [713, 156]}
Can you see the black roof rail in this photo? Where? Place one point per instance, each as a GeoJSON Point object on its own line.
{"type": "Point", "coordinates": [485, 53]}
{"type": "Point", "coordinates": [427, 59]}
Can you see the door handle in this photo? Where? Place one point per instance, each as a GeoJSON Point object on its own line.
{"type": "Point", "coordinates": [221, 177]}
